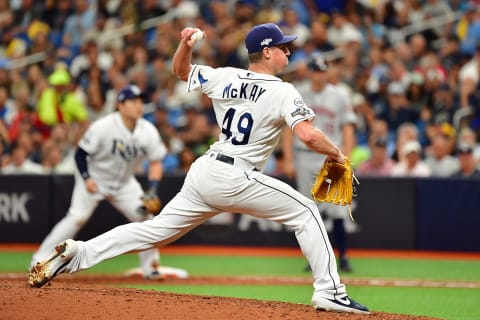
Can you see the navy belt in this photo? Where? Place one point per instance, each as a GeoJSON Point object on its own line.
{"type": "Point", "coordinates": [225, 158]}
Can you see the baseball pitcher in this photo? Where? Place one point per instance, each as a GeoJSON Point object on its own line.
{"type": "Point", "coordinates": [252, 107]}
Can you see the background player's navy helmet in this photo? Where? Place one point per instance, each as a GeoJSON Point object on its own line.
{"type": "Point", "coordinates": [265, 35]}
{"type": "Point", "coordinates": [317, 63]}
{"type": "Point", "coordinates": [129, 92]}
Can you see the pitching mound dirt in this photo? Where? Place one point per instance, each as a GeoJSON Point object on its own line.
{"type": "Point", "coordinates": [69, 299]}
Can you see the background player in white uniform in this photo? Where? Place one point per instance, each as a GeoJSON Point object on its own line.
{"type": "Point", "coordinates": [106, 158]}
{"type": "Point", "coordinates": [252, 107]}
{"type": "Point", "coordinates": [336, 118]}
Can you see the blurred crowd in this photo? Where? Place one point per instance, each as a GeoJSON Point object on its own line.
{"type": "Point", "coordinates": [410, 67]}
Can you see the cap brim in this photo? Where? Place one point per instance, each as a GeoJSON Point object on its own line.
{"type": "Point", "coordinates": [286, 39]}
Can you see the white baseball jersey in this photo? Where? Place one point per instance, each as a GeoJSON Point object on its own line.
{"type": "Point", "coordinates": [115, 152]}
{"type": "Point", "coordinates": [251, 110]}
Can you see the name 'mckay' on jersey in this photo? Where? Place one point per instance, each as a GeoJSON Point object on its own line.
{"type": "Point", "coordinates": [246, 91]}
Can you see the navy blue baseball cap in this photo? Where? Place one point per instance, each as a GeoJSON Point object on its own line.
{"type": "Point", "coordinates": [129, 92]}
{"type": "Point", "coordinates": [265, 35]}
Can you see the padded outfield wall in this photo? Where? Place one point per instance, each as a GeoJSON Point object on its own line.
{"type": "Point", "coordinates": [400, 213]}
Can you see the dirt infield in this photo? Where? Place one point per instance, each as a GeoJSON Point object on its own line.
{"type": "Point", "coordinates": [73, 298]}
{"type": "Point", "coordinates": [83, 296]}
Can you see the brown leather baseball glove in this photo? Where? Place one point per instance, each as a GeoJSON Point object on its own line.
{"type": "Point", "coordinates": [151, 203]}
{"type": "Point", "coordinates": [335, 183]}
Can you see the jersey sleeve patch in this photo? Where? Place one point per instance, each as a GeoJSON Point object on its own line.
{"type": "Point", "coordinates": [297, 111]}
{"type": "Point", "coordinates": [301, 109]}
{"type": "Point", "coordinates": [197, 78]}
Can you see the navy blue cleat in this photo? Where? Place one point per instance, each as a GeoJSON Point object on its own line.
{"type": "Point", "coordinates": [344, 304]}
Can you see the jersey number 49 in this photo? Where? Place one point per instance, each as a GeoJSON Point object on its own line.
{"type": "Point", "coordinates": [244, 127]}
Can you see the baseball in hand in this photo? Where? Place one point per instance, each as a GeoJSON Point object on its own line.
{"type": "Point", "coordinates": [198, 35]}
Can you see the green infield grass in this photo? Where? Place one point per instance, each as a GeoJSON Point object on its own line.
{"type": "Point", "coordinates": [444, 302]}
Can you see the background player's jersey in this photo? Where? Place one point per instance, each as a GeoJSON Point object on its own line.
{"type": "Point", "coordinates": [242, 100]}
{"type": "Point", "coordinates": [333, 110]}
{"type": "Point", "coordinates": [115, 152]}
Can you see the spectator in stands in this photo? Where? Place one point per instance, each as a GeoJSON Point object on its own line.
{"type": "Point", "coordinates": [149, 9]}
{"type": "Point", "coordinates": [244, 11]}
{"type": "Point", "coordinates": [365, 117]}
{"type": "Point", "coordinates": [29, 142]}
{"type": "Point", "coordinates": [444, 129]}
{"type": "Point", "coordinates": [58, 104]}
{"type": "Point", "coordinates": [411, 50]}
{"type": "Point", "coordinates": [468, 167]}
{"type": "Point", "coordinates": [51, 156]}
{"type": "Point", "coordinates": [412, 164]}
{"type": "Point", "coordinates": [450, 54]}
{"type": "Point", "coordinates": [443, 105]}
{"type": "Point", "coordinates": [398, 110]}
{"type": "Point", "coordinates": [55, 14]}
{"type": "Point", "coordinates": [38, 34]}
{"type": "Point", "coordinates": [392, 56]}
{"type": "Point", "coordinates": [469, 76]}
{"type": "Point", "coordinates": [291, 24]}
{"type": "Point", "coordinates": [37, 82]}
{"type": "Point", "coordinates": [80, 22]}
{"type": "Point", "coordinates": [7, 107]}
{"type": "Point", "coordinates": [440, 162]}
{"type": "Point", "coordinates": [25, 115]}
{"type": "Point", "coordinates": [416, 92]}
{"type": "Point", "coordinates": [4, 156]}
{"type": "Point", "coordinates": [53, 161]}
{"type": "Point", "coordinates": [379, 164]}
{"type": "Point", "coordinates": [227, 53]}
{"type": "Point", "coordinates": [96, 101]}
{"type": "Point", "coordinates": [364, 127]}
{"type": "Point", "coordinates": [406, 132]}
{"type": "Point", "coordinates": [319, 36]}
{"type": "Point", "coordinates": [25, 12]}
{"type": "Point", "coordinates": [20, 164]}
{"type": "Point", "coordinates": [105, 34]}
{"type": "Point", "coordinates": [160, 118]}
{"type": "Point", "coordinates": [468, 136]}
{"type": "Point", "coordinates": [341, 31]}
{"type": "Point", "coordinates": [195, 131]}
{"type": "Point", "coordinates": [63, 139]}
{"type": "Point", "coordinates": [468, 28]}
{"type": "Point", "coordinates": [118, 81]}
{"type": "Point", "coordinates": [4, 135]}
{"type": "Point", "coordinates": [378, 71]}
{"type": "Point", "coordinates": [90, 56]}
{"type": "Point", "coordinates": [435, 8]}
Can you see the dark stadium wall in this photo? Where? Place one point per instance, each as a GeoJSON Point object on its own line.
{"type": "Point", "coordinates": [400, 213]}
